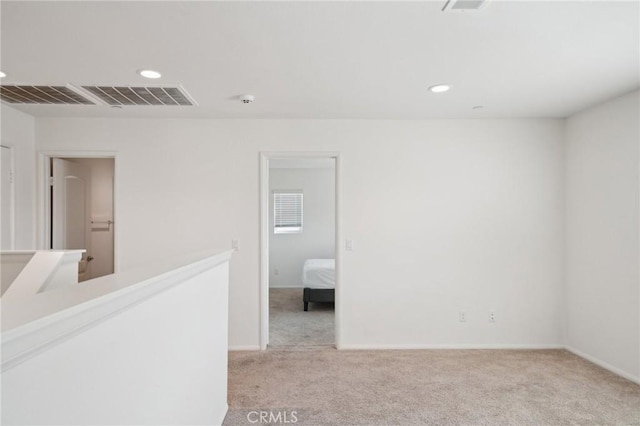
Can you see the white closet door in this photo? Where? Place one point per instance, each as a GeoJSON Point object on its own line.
{"type": "Point", "coordinates": [72, 210]}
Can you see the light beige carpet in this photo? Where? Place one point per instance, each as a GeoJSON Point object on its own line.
{"type": "Point", "coordinates": [427, 387]}
{"type": "Point", "coordinates": [290, 325]}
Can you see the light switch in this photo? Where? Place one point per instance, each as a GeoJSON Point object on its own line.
{"type": "Point", "coordinates": [348, 245]}
{"type": "Point", "coordinates": [235, 245]}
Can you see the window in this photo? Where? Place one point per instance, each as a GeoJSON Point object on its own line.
{"type": "Point", "coordinates": [287, 212]}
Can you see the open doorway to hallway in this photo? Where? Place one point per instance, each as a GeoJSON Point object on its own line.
{"type": "Point", "coordinates": [80, 213]}
{"type": "Point", "coordinates": [300, 210]}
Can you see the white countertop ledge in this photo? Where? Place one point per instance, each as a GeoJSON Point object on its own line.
{"type": "Point", "coordinates": [32, 325]}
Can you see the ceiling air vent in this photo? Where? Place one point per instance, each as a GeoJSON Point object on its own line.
{"type": "Point", "coordinates": [127, 95]}
{"type": "Point", "coordinates": [49, 95]}
{"type": "Point", "coordinates": [464, 5]}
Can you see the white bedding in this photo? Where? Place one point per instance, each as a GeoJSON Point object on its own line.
{"type": "Point", "coordinates": [319, 273]}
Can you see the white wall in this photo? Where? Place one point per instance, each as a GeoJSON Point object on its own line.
{"type": "Point", "coordinates": [18, 132]}
{"type": "Point", "coordinates": [287, 252]}
{"type": "Point", "coordinates": [602, 234]}
{"type": "Point", "coordinates": [162, 361]}
{"type": "Point", "coordinates": [102, 170]}
{"type": "Point", "coordinates": [446, 215]}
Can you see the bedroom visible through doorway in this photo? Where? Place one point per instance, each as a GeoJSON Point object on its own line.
{"type": "Point", "coordinates": [302, 279]}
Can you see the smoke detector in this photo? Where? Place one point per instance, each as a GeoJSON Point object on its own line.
{"type": "Point", "coordinates": [464, 5]}
{"type": "Point", "coordinates": [247, 99]}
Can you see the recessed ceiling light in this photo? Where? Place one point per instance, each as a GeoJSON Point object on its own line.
{"type": "Point", "coordinates": [149, 73]}
{"type": "Point", "coordinates": [439, 88]}
{"type": "Point", "coordinates": [2, 75]}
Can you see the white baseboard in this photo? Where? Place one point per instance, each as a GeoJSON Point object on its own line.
{"type": "Point", "coordinates": [448, 346]}
{"type": "Point", "coordinates": [226, 410]}
{"type": "Point", "coordinates": [237, 348]}
{"type": "Point", "coordinates": [275, 285]}
{"type": "Point", "coordinates": [603, 364]}
{"type": "Point", "coordinates": [522, 346]}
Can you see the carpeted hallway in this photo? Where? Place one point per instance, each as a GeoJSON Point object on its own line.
{"type": "Point", "coordinates": [427, 387]}
{"type": "Point", "coordinates": [290, 325]}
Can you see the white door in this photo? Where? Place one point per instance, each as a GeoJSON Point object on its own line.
{"type": "Point", "coordinates": [6, 214]}
{"type": "Point", "coordinates": [71, 211]}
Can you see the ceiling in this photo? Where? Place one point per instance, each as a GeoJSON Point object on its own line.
{"type": "Point", "coordinates": [330, 59]}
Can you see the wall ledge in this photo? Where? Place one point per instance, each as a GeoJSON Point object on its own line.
{"type": "Point", "coordinates": [109, 296]}
{"type": "Point", "coordinates": [46, 269]}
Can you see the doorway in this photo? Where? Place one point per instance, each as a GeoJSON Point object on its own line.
{"type": "Point", "coordinates": [79, 210]}
{"type": "Point", "coordinates": [299, 250]}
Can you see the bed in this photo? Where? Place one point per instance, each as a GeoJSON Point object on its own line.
{"type": "Point", "coordinates": [318, 281]}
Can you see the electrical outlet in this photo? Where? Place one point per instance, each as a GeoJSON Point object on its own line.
{"type": "Point", "coordinates": [492, 316]}
{"type": "Point", "coordinates": [462, 316]}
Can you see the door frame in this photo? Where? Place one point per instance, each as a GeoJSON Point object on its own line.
{"type": "Point", "coordinates": [12, 196]}
{"type": "Point", "coordinates": [265, 230]}
{"type": "Point", "coordinates": [43, 229]}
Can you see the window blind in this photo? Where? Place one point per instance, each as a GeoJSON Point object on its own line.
{"type": "Point", "coordinates": [287, 212]}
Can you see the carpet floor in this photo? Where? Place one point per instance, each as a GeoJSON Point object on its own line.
{"type": "Point", "coordinates": [290, 325]}
{"type": "Point", "coordinates": [426, 387]}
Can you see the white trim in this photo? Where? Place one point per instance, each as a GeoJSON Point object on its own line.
{"type": "Point", "coordinates": [43, 202]}
{"type": "Point", "coordinates": [33, 337]}
{"type": "Point", "coordinates": [12, 197]}
{"type": "Point", "coordinates": [221, 419]}
{"type": "Point", "coordinates": [323, 164]}
{"type": "Point", "coordinates": [264, 235]}
{"type": "Point", "coordinates": [448, 7]}
{"type": "Point", "coordinates": [498, 346]}
{"type": "Point", "coordinates": [275, 285]}
{"type": "Point", "coordinates": [42, 273]}
{"type": "Point", "coordinates": [264, 251]}
{"type": "Point", "coordinates": [240, 348]}
{"type": "Point", "coordinates": [338, 253]}
{"type": "Point", "coordinates": [605, 365]}
{"type": "Point", "coordinates": [506, 346]}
